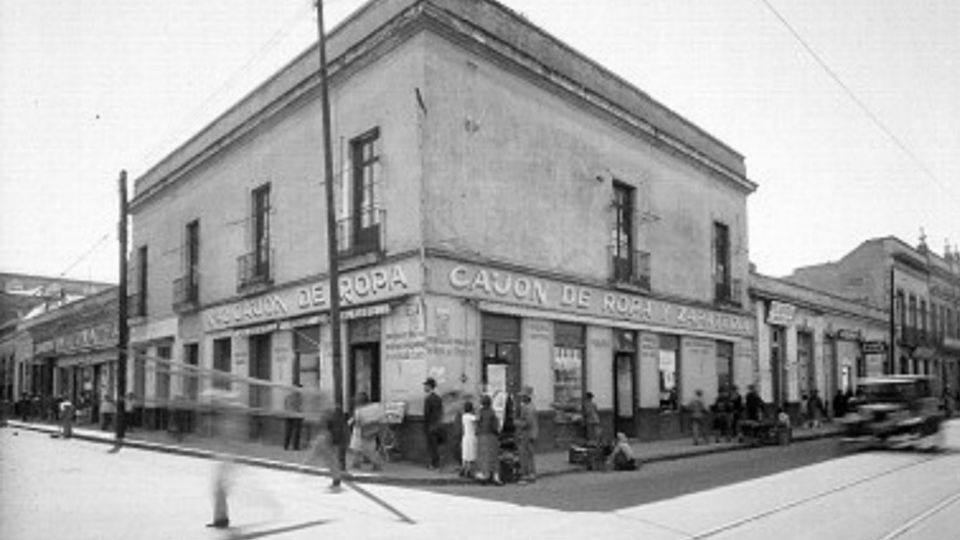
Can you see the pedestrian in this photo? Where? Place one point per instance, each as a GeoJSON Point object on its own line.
{"type": "Point", "coordinates": [488, 442]}
{"type": "Point", "coordinates": [839, 404]}
{"type": "Point", "coordinates": [815, 410]}
{"type": "Point", "coordinates": [753, 404]}
{"type": "Point", "coordinates": [68, 414]}
{"type": "Point", "coordinates": [293, 423]}
{"type": "Point", "coordinates": [433, 422]}
{"type": "Point", "coordinates": [366, 424]}
{"type": "Point", "coordinates": [228, 422]}
{"type": "Point", "coordinates": [698, 414]}
{"type": "Point", "coordinates": [468, 440]}
{"type": "Point", "coordinates": [623, 456]}
{"type": "Point", "coordinates": [330, 434]}
{"type": "Point", "coordinates": [722, 416]}
{"type": "Point", "coordinates": [591, 419]}
{"type": "Point", "coordinates": [108, 410]}
{"type": "Point", "coordinates": [736, 406]}
{"type": "Point", "coordinates": [527, 430]}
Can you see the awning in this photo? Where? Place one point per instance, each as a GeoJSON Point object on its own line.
{"type": "Point", "coordinates": [87, 359]}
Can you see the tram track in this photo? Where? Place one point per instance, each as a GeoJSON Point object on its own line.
{"type": "Point", "coordinates": [819, 496]}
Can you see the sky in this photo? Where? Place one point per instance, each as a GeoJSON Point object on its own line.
{"type": "Point", "coordinates": [90, 87]}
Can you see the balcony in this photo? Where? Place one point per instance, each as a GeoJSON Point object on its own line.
{"type": "Point", "coordinates": [630, 268]}
{"type": "Point", "coordinates": [254, 268]}
{"type": "Point", "coordinates": [136, 305]}
{"type": "Point", "coordinates": [186, 293]}
{"type": "Point", "coordinates": [362, 234]}
{"type": "Point", "coordinates": [729, 292]}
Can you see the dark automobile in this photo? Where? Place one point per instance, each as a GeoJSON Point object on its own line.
{"type": "Point", "coordinates": [894, 411]}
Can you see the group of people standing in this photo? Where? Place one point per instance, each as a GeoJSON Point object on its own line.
{"type": "Point", "coordinates": [484, 436]}
{"type": "Point", "coordinates": [729, 409]}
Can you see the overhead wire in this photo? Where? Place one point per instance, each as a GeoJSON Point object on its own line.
{"type": "Point", "coordinates": [873, 117]}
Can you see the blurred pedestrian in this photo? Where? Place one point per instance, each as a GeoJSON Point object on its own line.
{"type": "Point", "coordinates": [698, 415]}
{"type": "Point", "coordinates": [623, 456]}
{"type": "Point", "coordinates": [753, 404]}
{"type": "Point", "coordinates": [433, 422]}
{"type": "Point", "coordinates": [366, 425]}
{"type": "Point", "coordinates": [293, 424]}
{"type": "Point", "coordinates": [839, 404]}
{"type": "Point", "coordinates": [228, 425]}
{"type": "Point", "coordinates": [488, 443]}
{"type": "Point", "coordinates": [68, 415]}
{"type": "Point", "coordinates": [722, 416]}
{"type": "Point", "coordinates": [330, 429]}
{"type": "Point", "coordinates": [815, 410]}
{"type": "Point", "coordinates": [736, 406]}
{"type": "Point", "coordinates": [591, 419]}
{"type": "Point", "coordinates": [527, 430]}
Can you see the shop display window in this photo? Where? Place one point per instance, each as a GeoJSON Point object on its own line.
{"type": "Point", "coordinates": [724, 365]}
{"type": "Point", "coordinates": [669, 368]}
{"type": "Point", "coordinates": [569, 355]}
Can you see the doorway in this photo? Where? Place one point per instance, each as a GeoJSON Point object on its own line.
{"type": "Point", "coordinates": [365, 370]}
{"type": "Point", "coordinates": [624, 393]}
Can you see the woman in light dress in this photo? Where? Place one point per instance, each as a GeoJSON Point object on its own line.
{"type": "Point", "coordinates": [468, 443]}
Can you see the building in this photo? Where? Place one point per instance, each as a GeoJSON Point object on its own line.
{"type": "Point", "coordinates": [919, 289]}
{"type": "Point", "coordinates": [510, 214]}
{"type": "Point", "coordinates": [811, 340]}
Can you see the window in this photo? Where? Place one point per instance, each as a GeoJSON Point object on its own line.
{"type": "Point", "coordinates": [260, 353]}
{"type": "Point", "coordinates": [140, 298]}
{"type": "Point", "coordinates": [901, 308]}
{"type": "Point", "coordinates": [191, 356]}
{"type": "Point", "coordinates": [913, 312]}
{"type": "Point", "coordinates": [222, 353]}
{"type": "Point", "coordinates": [721, 261]}
{"type": "Point", "coordinates": [724, 365]}
{"type": "Point", "coordinates": [261, 230]}
{"type": "Point", "coordinates": [163, 373]}
{"type": "Point", "coordinates": [669, 373]}
{"type": "Point", "coordinates": [362, 227]}
{"type": "Point", "coordinates": [139, 373]}
{"type": "Point", "coordinates": [500, 354]}
{"type": "Point", "coordinates": [569, 357]}
{"type": "Point", "coordinates": [923, 318]}
{"type": "Point", "coordinates": [622, 241]}
{"type": "Point", "coordinates": [306, 356]}
{"type": "Point", "coordinates": [193, 259]}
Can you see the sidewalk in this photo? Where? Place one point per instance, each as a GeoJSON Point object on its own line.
{"type": "Point", "coordinates": [399, 473]}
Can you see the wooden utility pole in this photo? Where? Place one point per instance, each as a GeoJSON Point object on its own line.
{"type": "Point", "coordinates": [332, 247]}
{"type": "Point", "coordinates": [123, 336]}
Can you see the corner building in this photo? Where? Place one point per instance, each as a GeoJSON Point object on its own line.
{"type": "Point", "coordinates": [509, 214]}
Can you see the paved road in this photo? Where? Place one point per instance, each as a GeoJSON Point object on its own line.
{"type": "Point", "coordinates": [656, 481]}
{"type": "Point", "coordinates": [72, 489]}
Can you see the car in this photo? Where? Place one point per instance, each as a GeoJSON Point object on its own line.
{"type": "Point", "coordinates": [893, 411]}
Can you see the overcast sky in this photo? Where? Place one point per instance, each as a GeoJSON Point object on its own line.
{"type": "Point", "coordinates": [90, 87]}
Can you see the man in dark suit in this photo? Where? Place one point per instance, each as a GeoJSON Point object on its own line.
{"type": "Point", "coordinates": [433, 421]}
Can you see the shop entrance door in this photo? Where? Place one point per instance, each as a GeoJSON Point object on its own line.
{"type": "Point", "coordinates": [624, 393]}
{"type": "Point", "coordinates": [365, 370]}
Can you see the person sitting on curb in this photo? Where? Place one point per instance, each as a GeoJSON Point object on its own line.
{"type": "Point", "coordinates": [624, 459]}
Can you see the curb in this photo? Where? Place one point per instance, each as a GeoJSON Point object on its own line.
{"type": "Point", "coordinates": [392, 480]}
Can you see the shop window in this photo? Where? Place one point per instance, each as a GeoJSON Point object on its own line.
{"type": "Point", "coordinates": [260, 360]}
{"type": "Point", "coordinates": [569, 358]}
{"type": "Point", "coordinates": [222, 354]}
{"type": "Point", "coordinates": [191, 379]}
{"type": "Point", "coordinates": [724, 365]}
{"type": "Point", "coordinates": [669, 368]}
{"type": "Point", "coordinates": [777, 364]}
{"type": "Point", "coordinates": [306, 356]}
{"type": "Point", "coordinates": [805, 364]}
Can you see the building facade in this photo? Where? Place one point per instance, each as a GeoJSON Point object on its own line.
{"type": "Point", "coordinates": [510, 214]}
{"type": "Point", "coordinates": [919, 289]}
{"type": "Point", "coordinates": [809, 340]}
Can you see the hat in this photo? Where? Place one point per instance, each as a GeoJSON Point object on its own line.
{"type": "Point", "coordinates": [431, 382]}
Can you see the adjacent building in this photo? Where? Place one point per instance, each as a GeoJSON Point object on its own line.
{"type": "Point", "coordinates": [919, 289]}
{"type": "Point", "coordinates": [809, 340]}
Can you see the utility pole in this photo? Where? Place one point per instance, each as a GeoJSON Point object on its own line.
{"type": "Point", "coordinates": [123, 337]}
{"type": "Point", "coordinates": [332, 247]}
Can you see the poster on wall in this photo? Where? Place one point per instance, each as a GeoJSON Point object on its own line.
{"type": "Point", "coordinates": [496, 379]}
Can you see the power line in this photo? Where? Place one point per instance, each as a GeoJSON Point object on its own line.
{"type": "Point", "coordinates": [863, 106]}
{"type": "Point", "coordinates": [86, 254]}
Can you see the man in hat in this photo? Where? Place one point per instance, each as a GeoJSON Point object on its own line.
{"type": "Point", "coordinates": [433, 421]}
{"type": "Point", "coordinates": [527, 432]}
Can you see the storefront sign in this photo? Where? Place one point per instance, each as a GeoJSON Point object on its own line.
{"type": "Point", "coordinates": [356, 288]}
{"type": "Point", "coordinates": [849, 335]}
{"type": "Point", "coordinates": [874, 347]}
{"type": "Point", "coordinates": [519, 289]}
{"type": "Point", "coordinates": [88, 338]}
{"type": "Point", "coordinates": [781, 313]}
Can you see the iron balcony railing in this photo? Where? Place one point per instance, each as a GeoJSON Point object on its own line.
{"type": "Point", "coordinates": [729, 292]}
{"type": "Point", "coordinates": [630, 267]}
{"type": "Point", "coordinates": [254, 268]}
{"type": "Point", "coordinates": [362, 233]}
{"type": "Point", "coordinates": [186, 293]}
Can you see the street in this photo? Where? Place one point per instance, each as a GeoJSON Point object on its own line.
{"type": "Point", "coordinates": [67, 488]}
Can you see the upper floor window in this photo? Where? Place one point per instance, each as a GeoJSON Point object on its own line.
{"type": "Point", "coordinates": [629, 264]}
{"type": "Point", "coordinates": [255, 267]}
{"type": "Point", "coordinates": [923, 316]}
{"type": "Point", "coordinates": [901, 308]}
{"type": "Point", "coordinates": [721, 262]}
{"type": "Point", "coordinates": [361, 216]}
{"type": "Point", "coordinates": [187, 287]}
{"type": "Point", "coordinates": [138, 300]}
{"type": "Point", "coordinates": [913, 312]}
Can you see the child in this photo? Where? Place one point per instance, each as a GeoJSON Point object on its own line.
{"type": "Point", "coordinates": [468, 444]}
